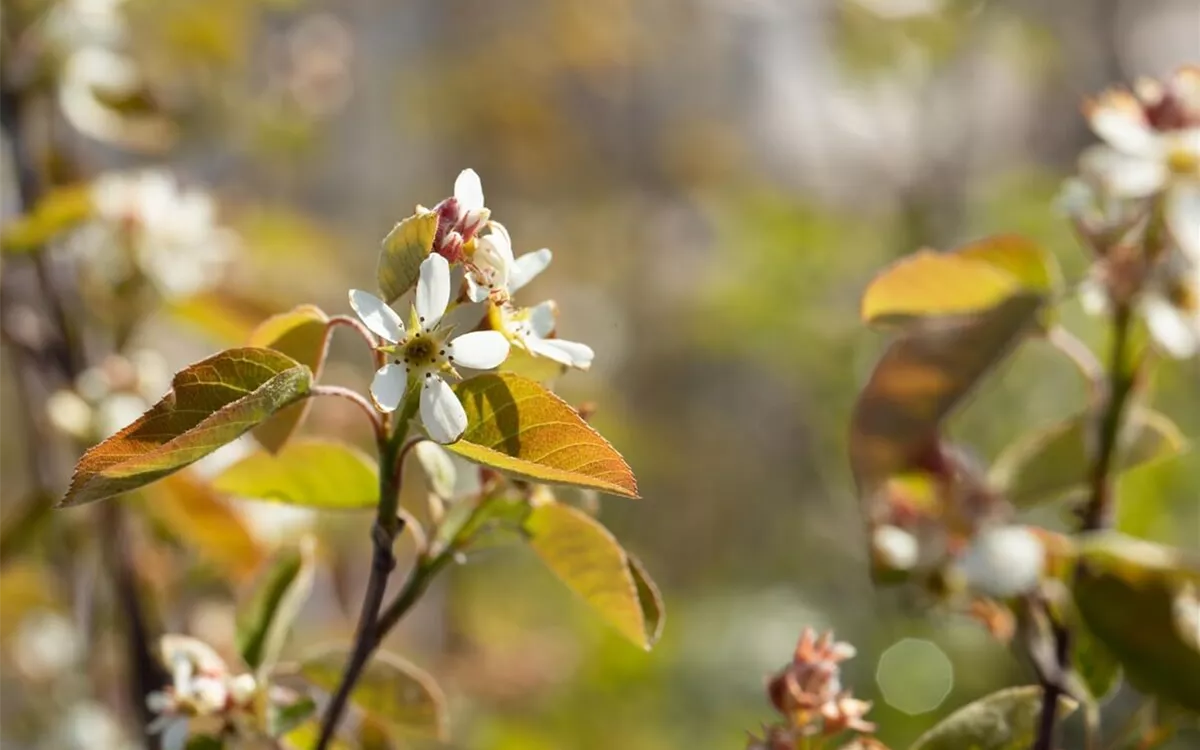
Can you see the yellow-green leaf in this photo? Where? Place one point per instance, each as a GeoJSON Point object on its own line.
{"type": "Point", "coordinates": [191, 512]}
{"type": "Point", "coordinates": [1004, 720]}
{"type": "Point", "coordinates": [303, 334]}
{"type": "Point", "coordinates": [224, 318]}
{"type": "Point", "coordinates": [310, 472]}
{"type": "Point", "coordinates": [211, 403]}
{"type": "Point", "coordinates": [265, 621]}
{"type": "Point", "coordinates": [57, 211]}
{"type": "Point", "coordinates": [972, 278]}
{"type": "Point", "coordinates": [1140, 600]}
{"type": "Point", "coordinates": [588, 558]}
{"type": "Point", "coordinates": [1052, 462]}
{"type": "Point", "coordinates": [405, 247]}
{"type": "Point", "coordinates": [922, 376]}
{"type": "Point", "coordinates": [305, 736]}
{"type": "Point", "coordinates": [654, 610]}
{"type": "Point", "coordinates": [391, 690]}
{"type": "Point", "coordinates": [522, 429]}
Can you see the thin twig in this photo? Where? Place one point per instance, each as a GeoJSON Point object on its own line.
{"type": "Point", "coordinates": [1078, 352]}
{"type": "Point", "coordinates": [388, 524]}
{"type": "Point", "coordinates": [357, 326]}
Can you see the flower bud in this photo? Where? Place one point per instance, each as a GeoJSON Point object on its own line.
{"type": "Point", "coordinates": [1004, 562]}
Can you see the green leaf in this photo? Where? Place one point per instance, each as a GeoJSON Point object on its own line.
{"type": "Point", "coordinates": [303, 334]}
{"type": "Point", "coordinates": [405, 247]}
{"type": "Point", "coordinates": [1004, 720]}
{"type": "Point", "coordinates": [391, 690]}
{"type": "Point", "coordinates": [1096, 666]}
{"type": "Point", "coordinates": [304, 737]}
{"type": "Point", "coordinates": [311, 472]}
{"type": "Point", "coordinates": [650, 598]}
{"type": "Point", "coordinates": [1139, 599]}
{"type": "Point", "coordinates": [971, 279]}
{"type": "Point", "coordinates": [284, 719]}
{"type": "Point", "coordinates": [190, 511]}
{"type": "Point", "coordinates": [925, 373]}
{"type": "Point", "coordinates": [588, 558]}
{"type": "Point", "coordinates": [211, 403]}
{"type": "Point", "coordinates": [520, 428]}
{"type": "Point", "coordinates": [59, 210]}
{"type": "Point", "coordinates": [1049, 463]}
{"type": "Point", "coordinates": [266, 620]}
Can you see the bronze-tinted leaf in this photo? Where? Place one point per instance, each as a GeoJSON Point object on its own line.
{"type": "Point", "coordinates": [522, 429]}
{"type": "Point", "coordinates": [211, 403]}
{"type": "Point", "coordinates": [922, 376]}
{"type": "Point", "coordinates": [303, 334]}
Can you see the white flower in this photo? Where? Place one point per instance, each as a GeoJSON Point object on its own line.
{"type": "Point", "coordinates": [201, 687]}
{"type": "Point", "coordinates": [427, 351]}
{"type": "Point", "coordinates": [1171, 305]}
{"type": "Point", "coordinates": [493, 272]}
{"type": "Point", "coordinates": [531, 327]}
{"type": "Point", "coordinates": [91, 78]}
{"type": "Point", "coordinates": [1152, 146]}
{"type": "Point", "coordinates": [173, 233]}
{"type": "Point", "coordinates": [1004, 561]}
{"type": "Point", "coordinates": [472, 214]}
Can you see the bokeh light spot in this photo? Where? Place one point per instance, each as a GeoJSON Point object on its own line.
{"type": "Point", "coordinates": [914, 676]}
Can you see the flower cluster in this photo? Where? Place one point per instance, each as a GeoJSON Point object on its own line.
{"type": "Point", "coordinates": [467, 281]}
{"type": "Point", "coordinates": [109, 396]}
{"type": "Point", "coordinates": [1137, 203]}
{"type": "Point", "coordinates": [808, 693]}
{"type": "Point", "coordinates": [203, 695]}
{"type": "Point", "coordinates": [147, 223]}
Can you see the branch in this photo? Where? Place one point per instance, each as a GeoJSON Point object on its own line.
{"type": "Point", "coordinates": [388, 524]}
{"type": "Point", "coordinates": [359, 400]}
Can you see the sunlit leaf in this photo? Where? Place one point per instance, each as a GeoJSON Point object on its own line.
{"type": "Point", "coordinates": [391, 690]}
{"type": "Point", "coordinates": [59, 210]}
{"type": "Point", "coordinates": [1140, 600]}
{"type": "Point", "coordinates": [211, 403]}
{"type": "Point", "coordinates": [588, 558]}
{"type": "Point", "coordinates": [1005, 720]}
{"type": "Point", "coordinates": [522, 429]}
{"type": "Point", "coordinates": [216, 533]}
{"type": "Point", "coordinates": [1051, 462]}
{"type": "Point", "coordinates": [925, 373]}
{"type": "Point", "coordinates": [224, 318]}
{"type": "Point", "coordinates": [304, 737]}
{"type": "Point", "coordinates": [303, 334]}
{"type": "Point", "coordinates": [311, 472]}
{"type": "Point", "coordinates": [970, 279]}
{"type": "Point", "coordinates": [266, 620]}
{"type": "Point", "coordinates": [404, 248]}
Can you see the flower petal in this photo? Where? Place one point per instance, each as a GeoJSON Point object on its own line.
{"type": "Point", "coordinates": [476, 292]}
{"type": "Point", "coordinates": [377, 316]}
{"type": "Point", "coordinates": [569, 353]}
{"type": "Point", "coordinates": [494, 253]}
{"type": "Point", "coordinates": [479, 350]}
{"type": "Point", "coordinates": [1183, 218]}
{"type": "Point", "coordinates": [543, 318]}
{"type": "Point", "coordinates": [1119, 120]}
{"type": "Point", "coordinates": [441, 412]}
{"type": "Point", "coordinates": [527, 267]}
{"type": "Point", "coordinates": [389, 385]}
{"type": "Point", "coordinates": [175, 734]}
{"type": "Point", "coordinates": [1174, 330]}
{"type": "Point", "coordinates": [433, 290]}
{"type": "Point", "coordinates": [1124, 175]}
{"type": "Point", "coordinates": [468, 190]}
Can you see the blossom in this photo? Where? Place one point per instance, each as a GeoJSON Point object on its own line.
{"type": "Point", "coordinates": [1004, 561]}
{"type": "Point", "coordinates": [427, 351]}
{"type": "Point", "coordinates": [171, 233]}
{"type": "Point", "coordinates": [531, 328]}
{"type": "Point", "coordinates": [202, 687]}
{"type": "Point", "coordinates": [1151, 146]}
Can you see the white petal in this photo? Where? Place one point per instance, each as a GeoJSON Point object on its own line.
{"type": "Point", "coordinates": [1004, 561]}
{"type": "Point", "coordinates": [479, 350]}
{"type": "Point", "coordinates": [377, 315]}
{"type": "Point", "coordinates": [543, 318]}
{"type": "Point", "coordinates": [464, 317]}
{"type": "Point", "coordinates": [1093, 296]}
{"type": "Point", "coordinates": [1123, 128]}
{"type": "Point", "coordinates": [468, 190]}
{"type": "Point", "coordinates": [1122, 174]}
{"type": "Point", "coordinates": [442, 414]}
{"type": "Point", "coordinates": [1183, 218]}
{"type": "Point", "coordinates": [389, 385]}
{"type": "Point", "coordinates": [175, 736]}
{"type": "Point", "coordinates": [433, 290]}
{"type": "Point", "coordinates": [475, 291]}
{"type": "Point", "coordinates": [527, 267]}
{"type": "Point", "coordinates": [1176, 332]}
{"type": "Point", "coordinates": [495, 252]}
{"type": "Point", "coordinates": [569, 353]}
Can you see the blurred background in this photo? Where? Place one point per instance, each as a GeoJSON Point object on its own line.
{"type": "Point", "coordinates": [717, 179]}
